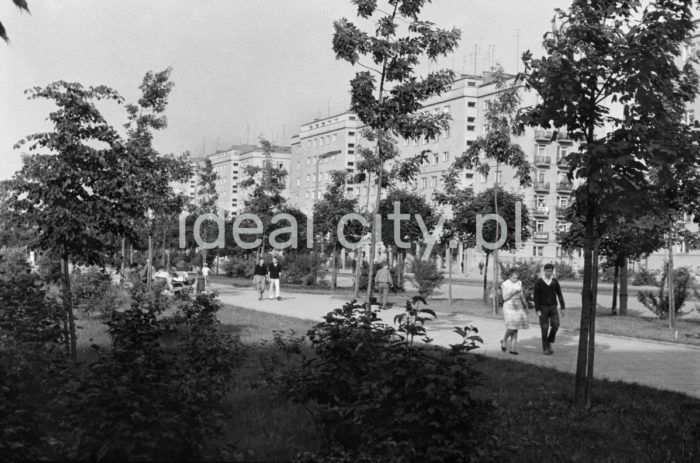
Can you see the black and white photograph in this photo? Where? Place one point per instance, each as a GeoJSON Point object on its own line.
{"type": "Point", "coordinates": [340, 231]}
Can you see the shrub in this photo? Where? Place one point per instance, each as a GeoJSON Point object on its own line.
{"type": "Point", "coordinates": [13, 261]}
{"type": "Point", "coordinates": [49, 267]}
{"type": "Point", "coordinates": [426, 277]}
{"type": "Point", "coordinates": [644, 277]}
{"type": "Point", "coordinates": [564, 271]}
{"type": "Point", "coordinates": [658, 301]}
{"type": "Point", "coordinates": [149, 402]}
{"type": "Point", "coordinates": [26, 312]}
{"type": "Point", "coordinates": [374, 392]}
{"type": "Point", "coordinates": [304, 269]}
{"type": "Point", "coordinates": [238, 267]}
{"type": "Point", "coordinates": [93, 291]}
{"type": "Point", "coordinates": [394, 271]}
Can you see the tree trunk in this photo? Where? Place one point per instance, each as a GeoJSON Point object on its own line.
{"type": "Point", "coordinates": [614, 298]}
{"type": "Point", "coordinates": [358, 270]}
{"type": "Point", "coordinates": [486, 272]}
{"type": "Point", "coordinates": [671, 292]}
{"type": "Point", "coordinates": [163, 255]}
{"type": "Point", "coordinates": [494, 292]}
{"type": "Point", "coordinates": [586, 311]}
{"type": "Point", "coordinates": [149, 266]}
{"type": "Point", "coordinates": [334, 279]}
{"type": "Point", "coordinates": [68, 307]}
{"type": "Point", "coordinates": [449, 276]}
{"type": "Point", "coordinates": [591, 332]}
{"type": "Point", "coordinates": [623, 287]}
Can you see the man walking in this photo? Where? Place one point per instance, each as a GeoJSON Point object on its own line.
{"type": "Point", "coordinates": [547, 291]}
{"type": "Point", "coordinates": [260, 277]}
{"type": "Point", "coordinates": [383, 282]}
{"type": "Point", "coordinates": [481, 267]}
{"type": "Point", "coordinates": [273, 274]}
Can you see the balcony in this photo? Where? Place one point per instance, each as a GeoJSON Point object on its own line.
{"type": "Point", "coordinates": [562, 162]}
{"type": "Point", "coordinates": [541, 212]}
{"type": "Point", "coordinates": [543, 161]}
{"type": "Point", "coordinates": [541, 187]}
{"type": "Point", "coordinates": [565, 187]}
{"type": "Point", "coordinates": [543, 135]}
{"type": "Point", "coordinates": [563, 137]}
{"type": "Point", "coordinates": [561, 211]}
{"type": "Point", "coordinates": [541, 237]}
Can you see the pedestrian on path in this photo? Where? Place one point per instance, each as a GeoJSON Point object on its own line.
{"type": "Point", "coordinates": [273, 273]}
{"type": "Point", "coordinates": [514, 311]}
{"type": "Point", "coordinates": [205, 273]}
{"type": "Point", "coordinates": [547, 291]}
{"type": "Point", "coordinates": [481, 267]}
{"type": "Point", "coordinates": [383, 281]}
{"type": "Point", "coordinates": [260, 277]}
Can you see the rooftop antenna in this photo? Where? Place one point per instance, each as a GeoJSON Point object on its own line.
{"type": "Point", "coordinates": [247, 133]}
{"type": "Point", "coordinates": [476, 52]}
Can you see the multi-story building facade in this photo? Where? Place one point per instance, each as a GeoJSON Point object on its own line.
{"type": "Point", "coordinates": [229, 166]}
{"type": "Point", "coordinates": [332, 143]}
{"type": "Point", "coordinates": [322, 146]}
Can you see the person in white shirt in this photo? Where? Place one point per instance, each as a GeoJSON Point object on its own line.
{"type": "Point", "coordinates": [205, 273]}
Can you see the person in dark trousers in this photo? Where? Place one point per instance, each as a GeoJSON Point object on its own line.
{"type": "Point", "coordinates": [481, 267]}
{"type": "Point", "coordinates": [273, 273]}
{"type": "Point", "coordinates": [260, 277]}
{"type": "Point", "coordinates": [547, 291]}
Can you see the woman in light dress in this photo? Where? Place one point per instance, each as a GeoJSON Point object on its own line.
{"type": "Point", "coordinates": [514, 312]}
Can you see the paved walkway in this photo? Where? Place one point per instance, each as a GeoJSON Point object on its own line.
{"type": "Point", "coordinates": [657, 364]}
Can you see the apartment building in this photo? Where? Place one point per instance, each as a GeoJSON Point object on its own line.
{"type": "Point", "coordinates": [322, 145]}
{"type": "Point", "coordinates": [229, 165]}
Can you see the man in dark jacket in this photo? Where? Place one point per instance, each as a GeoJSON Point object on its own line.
{"type": "Point", "coordinates": [547, 291]}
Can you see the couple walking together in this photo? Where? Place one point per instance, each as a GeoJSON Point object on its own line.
{"type": "Point", "coordinates": [271, 273]}
{"type": "Point", "coordinates": [546, 293]}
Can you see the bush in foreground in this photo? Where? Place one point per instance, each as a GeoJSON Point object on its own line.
{"type": "Point", "coordinates": [377, 396]}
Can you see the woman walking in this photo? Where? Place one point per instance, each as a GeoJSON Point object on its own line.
{"type": "Point", "coordinates": [514, 312]}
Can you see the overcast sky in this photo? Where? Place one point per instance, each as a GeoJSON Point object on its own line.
{"type": "Point", "coordinates": [241, 68]}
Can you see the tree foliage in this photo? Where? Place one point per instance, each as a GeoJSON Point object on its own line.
{"type": "Point", "coordinates": [387, 96]}
{"type": "Point", "coordinates": [612, 65]}
{"type": "Point", "coordinates": [23, 6]}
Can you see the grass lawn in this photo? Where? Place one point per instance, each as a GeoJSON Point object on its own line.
{"type": "Point", "coordinates": [534, 418]}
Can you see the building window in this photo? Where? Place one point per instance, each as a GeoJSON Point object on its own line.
{"type": "Point", "coordinates": [335, 137]}
{"type": "Point", "coordinates": [563, 151]}
{"type": "Point", "coordinates": [484, 177]}
{"type": "Point", "coordinates": [470, 128]}
{"type": "Point", "coordinates": [446, 110]}
{"type": "Point", "coordinates": [298, 181]}
{"type": "Point", "coordinates": [351, 145]}
{"type": "Point", "coordinates": [308, 178]}
{"type": "Point", "coordinates": [562, 201]}
{"type": "Point", "coordinates": [352, 118]}
{"type": "Point", "coordinates": [436, 158]}
{"type": "Point", "coordinates": [423, 183]}
{"type": "Point", "coordinates": [471, 83]}
{"type": "Point", "coordinates": [470, 142]}
{"type": "Point", "coordinates": [471, 104]}
{"type": "Point", "coordinates": [487, 105]}
{"type": "Point", "coordinates": [539, 201]}
{"type": "Point", "coordinates": [350, 164]}
{"type": "Point", "coordinates": [539, 226]}
{"type": "Point", "coordinates": [351, 134]}
{"type": "Point", "coordinates": [541, 150]}
{"type": "Point", "coordinates": [538, 251]}
{"type": "Point", "coordinates": [541, 176]}
{"type": "Point", "coordinates": [433, 181]}
{"type": "Point", "coordinates": [446, 133]}
{"type": "Point", "coordinates": [558, 251]}
{"type": "Point", "coordinates": [306, 194]}
{"type": "Point", "coordinates": [446, 156]}
{"type": "Point", "coordinates": [349, 152]}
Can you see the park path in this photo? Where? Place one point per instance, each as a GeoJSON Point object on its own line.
{"type": "Point", "coordinates": [661, 365]}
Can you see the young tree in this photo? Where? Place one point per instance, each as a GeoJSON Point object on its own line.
{"type": "Point", "coordinates": [88, 187]}
{"type": "Point", "coordinates": [388, 96]}
{"type": "Point", "coordinates": [407, 230]}
{"type": "Point", "coordinates": [496, 146]}
{"type": "Point", "coordinates": [266, 184]}
{"type": "Point", "coordinates": [327, 214]}
{"type": "Point", "coordinates": [207, 195]}
{"type": "Point", "coordinates": [517, 228]}
{"type": "Point", "coordinates": [602, 56]}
